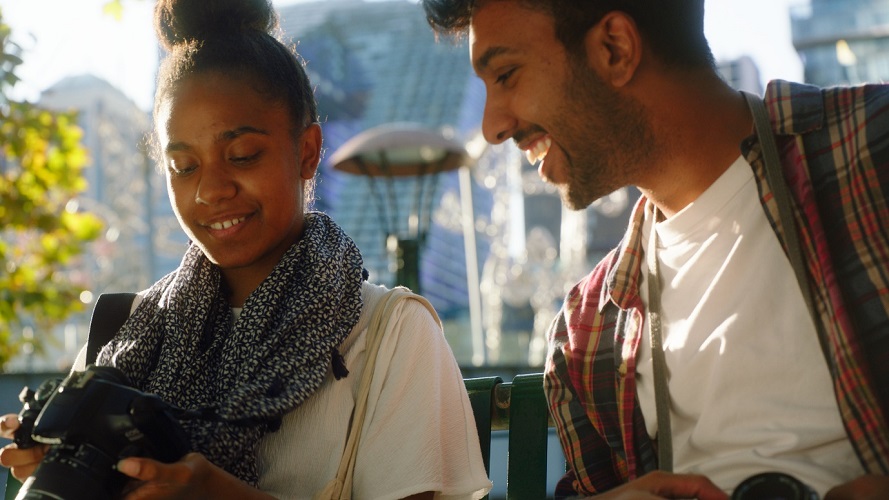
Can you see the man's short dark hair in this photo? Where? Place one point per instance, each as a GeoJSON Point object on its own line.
{"type": "Point", "coordinates": [673, 29]}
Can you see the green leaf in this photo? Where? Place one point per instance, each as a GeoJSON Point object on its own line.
{"type": "Point", "coordinates": [114, 8]}
{"type": "Point", "coordinates": [42, 169]}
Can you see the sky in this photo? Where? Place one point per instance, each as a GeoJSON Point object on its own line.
{"type": "Point", "coordinates": [65, 38]}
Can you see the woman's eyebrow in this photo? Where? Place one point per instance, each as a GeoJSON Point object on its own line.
{"type": "Point", "coordinates": [239, 131]}
{"type": "Point", "coordinates": [177, 146]}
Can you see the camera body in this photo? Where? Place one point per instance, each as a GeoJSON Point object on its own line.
{"type": "Point", "coordinates": [91, 420]}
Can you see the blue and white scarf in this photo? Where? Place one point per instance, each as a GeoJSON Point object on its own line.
{"type": "Point", "coordinates": [183, 344]}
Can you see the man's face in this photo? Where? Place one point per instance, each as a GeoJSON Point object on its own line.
{"type": "Point", "coordinates": [589, 138]}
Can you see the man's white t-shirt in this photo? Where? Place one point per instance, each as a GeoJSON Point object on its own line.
{"type": "Point", "coordinates": [749, 386]}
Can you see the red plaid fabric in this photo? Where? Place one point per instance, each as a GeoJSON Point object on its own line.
{"type": "Point", "coordinates": [834, 148]}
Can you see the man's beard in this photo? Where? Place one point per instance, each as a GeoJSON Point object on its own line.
{"type": "Point", "coordinates": [610, 144]}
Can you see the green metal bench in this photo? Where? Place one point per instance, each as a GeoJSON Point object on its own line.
{"type": "Point", "coordinates": [12, 487]}
{"type": "Point", "coordinates": [520, 408]}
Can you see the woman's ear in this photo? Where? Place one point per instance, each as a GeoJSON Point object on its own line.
{"type": "Point", "coordinates": [614, 48]}
{"type": "Point", "coordinates": [310, 151]}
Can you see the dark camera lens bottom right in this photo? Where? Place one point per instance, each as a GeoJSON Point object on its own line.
{"type": "Point", "coordinates": [773, 486]}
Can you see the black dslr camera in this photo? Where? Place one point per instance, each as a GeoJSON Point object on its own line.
{"type": "Point", "coordinates": [92, 419]}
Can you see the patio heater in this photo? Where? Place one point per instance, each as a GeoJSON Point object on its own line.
{"type": "Point", "coordinates": [398, 150]}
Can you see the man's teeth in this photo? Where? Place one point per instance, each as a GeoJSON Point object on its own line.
{"type": "Point", "coordinates": [226, 224]}
{"type": "Point", "coordinates": [539, 151]}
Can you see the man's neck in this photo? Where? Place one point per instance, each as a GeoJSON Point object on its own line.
{"type": "Point", "coordinates": [703, 122]}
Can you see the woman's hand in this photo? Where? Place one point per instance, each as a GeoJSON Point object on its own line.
{"type": "Point", "coordinates": [22, 462]}
{"type": "Point", "coordinates": [192, 477]}
{"type": "Point", "coordinates": [660, 485]}
{"type": "Point", "coordinates": [8, 424]}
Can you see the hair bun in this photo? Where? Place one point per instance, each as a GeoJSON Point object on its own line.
{"type": "Point", "coordinates": [181, 21]}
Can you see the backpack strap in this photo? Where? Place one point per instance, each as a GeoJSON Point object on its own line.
{"type": "Point", "coordinates": [110, 313]}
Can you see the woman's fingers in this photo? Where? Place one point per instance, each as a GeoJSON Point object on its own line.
{"type": "Point", "coordinates": [23, 462]}
{"type": "Point", "coordinates": [8, 425]}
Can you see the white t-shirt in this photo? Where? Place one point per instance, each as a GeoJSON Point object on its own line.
{"type": "Point", "coordinates": [419, 433]}
{"type": "Point", "coordinates": [749, 386]}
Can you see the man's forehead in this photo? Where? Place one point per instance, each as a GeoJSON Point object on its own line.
{"type": "Point", "coordinates": [502, 27]}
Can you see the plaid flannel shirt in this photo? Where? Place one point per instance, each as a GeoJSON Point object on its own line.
{"type": "Point", "coordinates": [834, 149]}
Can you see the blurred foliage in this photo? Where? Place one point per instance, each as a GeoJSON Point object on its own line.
{"type": "Point", "coordinates": [42, 231]}
{"type": "Point", "coordinates": [113, 8]}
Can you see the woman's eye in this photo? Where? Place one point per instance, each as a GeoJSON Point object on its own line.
{"type": "Point", "coordinates": [181, 168]}
{"type": "Point", "coordinates": [243, 159]}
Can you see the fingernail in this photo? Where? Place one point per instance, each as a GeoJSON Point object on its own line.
{"type": "Point", "coordinates": [9, 421]}
{"type": "Point", "coordinates": [128, 467]}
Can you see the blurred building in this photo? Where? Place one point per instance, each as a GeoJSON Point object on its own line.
{"type": "Point", "coordinates": [124, 189]}
{"type": "Point", "coordinates": [842, 41]}
{"type": "Point", "coordinates": [374, 63]}
{"type": "Point", "coordinates": [143, 241]}
{"type": "Point", "coordinates": [741, 74]}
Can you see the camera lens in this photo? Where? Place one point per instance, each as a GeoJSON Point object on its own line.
{"type": "Point", "coordinates": [80, 472]}
{"type": "Point", "coordinates": [773, 486]}
{"type": "Point", "coordinates": [91, 424]}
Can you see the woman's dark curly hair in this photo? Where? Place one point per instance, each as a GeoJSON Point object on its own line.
{"type": "Point", "coordinates": [238, 38]}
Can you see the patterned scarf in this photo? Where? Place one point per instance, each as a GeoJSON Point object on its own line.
{"type": "Point", "coordinates": [183, 344]}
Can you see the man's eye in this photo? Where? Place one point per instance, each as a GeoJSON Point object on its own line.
{"type": "Point", "coordinates": [505, 76]}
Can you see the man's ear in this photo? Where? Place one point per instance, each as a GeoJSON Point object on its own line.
{"type": "Point", "coordinates": [614, 48]}
{"type": "Point", "coordinates": [310, 151]}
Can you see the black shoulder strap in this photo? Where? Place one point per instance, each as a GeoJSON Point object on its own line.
{"type": "Point", "coordinates": [110, 313]}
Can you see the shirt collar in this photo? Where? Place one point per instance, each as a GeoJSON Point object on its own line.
{"type": "Point", "coordinates": [623, 274]}
{"type": "Point", "coordinates": [794, 108]}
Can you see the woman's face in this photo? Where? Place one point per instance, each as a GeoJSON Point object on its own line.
{"type": "Point", "coordinates": [235, 172]}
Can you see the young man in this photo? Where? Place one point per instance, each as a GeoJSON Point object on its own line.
{"type": "Point", "coordinates": [610, 93]}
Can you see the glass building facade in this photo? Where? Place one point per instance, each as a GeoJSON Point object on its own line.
{"type": "Point", "coordinates": [376, 63]}
{"type": "Point", "coordinates": [842, 41]}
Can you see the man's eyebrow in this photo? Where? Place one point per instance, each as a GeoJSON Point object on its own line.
{"type": "Point", "coordinates": [227, 135]}
{"type": "Point", "coordinates": [482, 62]}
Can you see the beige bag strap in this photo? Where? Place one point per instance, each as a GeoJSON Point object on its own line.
{"type": "Point", "coordinates": [340, 487]}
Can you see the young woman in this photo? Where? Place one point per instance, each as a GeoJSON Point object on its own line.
{"type": "Point", "coordinates": [264, 321]}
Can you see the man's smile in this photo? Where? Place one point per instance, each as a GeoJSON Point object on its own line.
{"type": "Point", "coordinates": [538, 149]}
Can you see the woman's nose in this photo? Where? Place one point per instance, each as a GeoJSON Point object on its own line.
{"type": "Point", "coordinates": [216, 184]}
